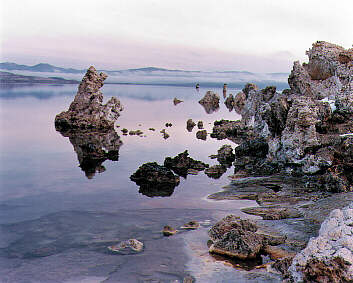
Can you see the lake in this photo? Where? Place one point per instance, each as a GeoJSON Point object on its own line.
{"type": "Point", "coordinates": [57, 220]}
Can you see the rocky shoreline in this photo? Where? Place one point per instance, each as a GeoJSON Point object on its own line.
{"type": "Point", "coordinates": [294, 156]}
{"type": "Point", "coordinates": [298, 145]}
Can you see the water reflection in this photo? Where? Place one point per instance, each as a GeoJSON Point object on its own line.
{"type": "Point", "coordinates": [210, 108]}
{"type": "Point", "coordinates": [156, 190]}
{"type": "Point", "coordinates": [93, 148]}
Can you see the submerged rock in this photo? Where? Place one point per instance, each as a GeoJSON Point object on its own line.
{"type": "Point", "coordinates": [87, 111]}
{"type": "Point", "coordinates": [127, 247]}
{"type": "Point", "coordinates": [210, 102]}
{"type": "Point", "coordinates": [273, 212]}
{"type": "Point", "coordinates": [155, 180]}
{"type": "Point", "coordinates": [181, 164]}
{"type": "Point", "coordinates": [169, 231]}
{"type": "Point", "coordinates": [93, 148]}
{"type": "Point", "coordinates": [191, 225]}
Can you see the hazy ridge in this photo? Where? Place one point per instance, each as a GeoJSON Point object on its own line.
{"type": "Point", "coordinates": [155, 76]}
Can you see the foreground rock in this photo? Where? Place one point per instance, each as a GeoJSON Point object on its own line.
{"type": "Point", "coordinates": [328, 257]}
{"type": "Point", "coordinates": [87, 110]}
{"type": "Point", "coordinates": [210, 102]}
{"type": "Point", "coordinates": [238, 238]}
{"type": "Point", "coordinates": [181, 164]}
{"type": "Point", "coordinates": [93, 148]}
{"type": "Point", "coordinates": [127, 247]}
{"type": "Point", "coordinates": [155, 180]}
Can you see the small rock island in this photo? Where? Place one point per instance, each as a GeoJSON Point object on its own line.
{"type": "Point", "coordinates": [87, 110]}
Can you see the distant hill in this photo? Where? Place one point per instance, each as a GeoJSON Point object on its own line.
{"type": "Point", "coordinates": [44, 67]}
{"type": "Point", "coordinates": [7, 78]}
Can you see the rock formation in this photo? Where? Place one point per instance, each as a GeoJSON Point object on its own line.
{"type": "Point", "coordinates": [201, 135]}
{"type": "Point", "coordinates": [306, 126]}
{"type": "Point", "coordinates": [176, 101]}
{"type": "Point", "coordinates": [229, 102]}
{"type": "Point", "coordinates": [181, 164]}
{"type": "Point", "coordinates": [210, 102]}
{"type": "Point", "coordinates": [215, 171]}
{"type": "Point", "coordinates": [93, 148]}
{"type": "Point", "coordinates": [225, 155]}
{"type": "Point", "coordinates": [328, 257]}
{"type": "Point", "coordinates": [239, 238]}
{"type": "Point", "coordinates": [155, 180]}
{"type": "Point", "coordinates": [87, 111]}
{"type": "Point", "coordinates": [130, 246]}
{"type": "Point", "coordinates": [232, 130]}
{"type": "Point", "coordinates": [190, 124]}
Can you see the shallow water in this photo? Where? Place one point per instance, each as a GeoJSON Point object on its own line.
{"type": "Point", "coordinates": [56, 223]}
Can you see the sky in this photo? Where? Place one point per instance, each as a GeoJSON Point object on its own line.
{"type": "Point", "coordinates": [251, 35]}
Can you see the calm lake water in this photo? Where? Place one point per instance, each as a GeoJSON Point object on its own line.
{"type": "Point", "coordinates": [56, 224]}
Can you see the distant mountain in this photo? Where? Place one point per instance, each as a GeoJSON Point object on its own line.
{"type": "Point", "coordinates": [7, 78]}
{"type": "Point", "coordinates": [44, 67]}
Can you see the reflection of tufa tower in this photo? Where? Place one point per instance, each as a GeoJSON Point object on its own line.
{"type": "Point", "coordinates": [93, 148]}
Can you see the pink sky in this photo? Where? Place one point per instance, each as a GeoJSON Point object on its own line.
{"type": "Point", "coordinates": [258, 36]}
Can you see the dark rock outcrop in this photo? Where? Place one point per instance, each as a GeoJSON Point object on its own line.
{"type": "Point", "coordinates": [87, 111]}
{"type": "Point", "coordinates": [201, 135]}
{"type": "Point", "coordinates": [155, 180]}
{"type": "Point", "coordinates": [225, 155]}
{"type": "Point", "coordinates": [210, 102]}
{"type": "Point", "coordinates": [239, 238]}
{"type": "Point", "coordinates": [190, 124]}
{"type": "Point", "coordinates": [215, 171]}
{"type": "Point", "coordinates": [181, 164]}
{"type": "Point", "coordinates": [239, 102]}
{"type": "Point", "coordinates": [229, 102]}
{"type": "Point", "coordinates": [200, 125]}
